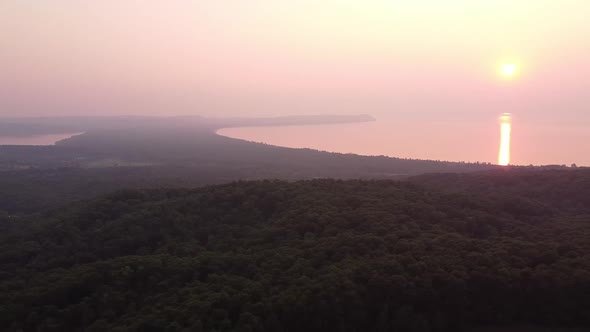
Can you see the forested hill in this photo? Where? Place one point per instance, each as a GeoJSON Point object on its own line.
{"type": "Point", "coordinates": [558, 189]}
{"type": "Point", "coordinates": [321, 255]}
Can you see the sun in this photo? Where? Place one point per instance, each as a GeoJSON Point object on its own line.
{"type": "Point", "coordinates": [509, 69]}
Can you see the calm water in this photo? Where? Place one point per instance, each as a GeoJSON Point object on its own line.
{"type": "Point", "coordinates": [34, 140]}
{"type": "Point", "coordinates": [469, 140]}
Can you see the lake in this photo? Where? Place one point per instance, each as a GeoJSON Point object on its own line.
{"type": "Point", "coordinates": [35, 140]}
{"type": "Point", "coordinates": [466, 140]}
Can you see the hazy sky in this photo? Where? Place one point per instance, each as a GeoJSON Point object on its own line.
{"type": "Point", "coordinates": [229, 57]}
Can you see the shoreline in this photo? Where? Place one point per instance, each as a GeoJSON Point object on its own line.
{"type": "Point", "coordinates": [36, 140]}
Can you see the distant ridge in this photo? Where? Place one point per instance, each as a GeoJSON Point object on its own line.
{"type": "Point", "coordinates": [296, 120]}
{"type": "Point", "coordinates": [61, 125]}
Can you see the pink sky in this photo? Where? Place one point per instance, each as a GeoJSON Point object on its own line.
{"type": "Point", "coordinates": [425, 59]}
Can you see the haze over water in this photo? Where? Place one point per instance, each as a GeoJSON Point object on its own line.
{"type": "Point", "coordinates": [451, 140]}
{"type": "Point", "coordinates": [411, 64]}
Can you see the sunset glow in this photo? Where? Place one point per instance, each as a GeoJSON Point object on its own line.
{"type": "Point", "coordinates": [454, 65]}
{"type": "Point", "coordinates": [509, 69]}
{"type": "Point", "coordinates": [505, 131]}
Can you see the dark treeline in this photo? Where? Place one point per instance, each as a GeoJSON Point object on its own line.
{"type": "Point", "coordinates": [560, 190]}
{"type": "Point", "coordinates": [321, 255]}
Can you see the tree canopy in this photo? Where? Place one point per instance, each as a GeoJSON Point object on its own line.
{"type": "Point", "coordinates": [320, 255]}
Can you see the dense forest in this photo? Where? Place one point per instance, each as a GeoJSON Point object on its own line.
{"type": "Point", "coordinates": [90, 239]}
{"type": "Point", "coordinates": [435, 253]}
